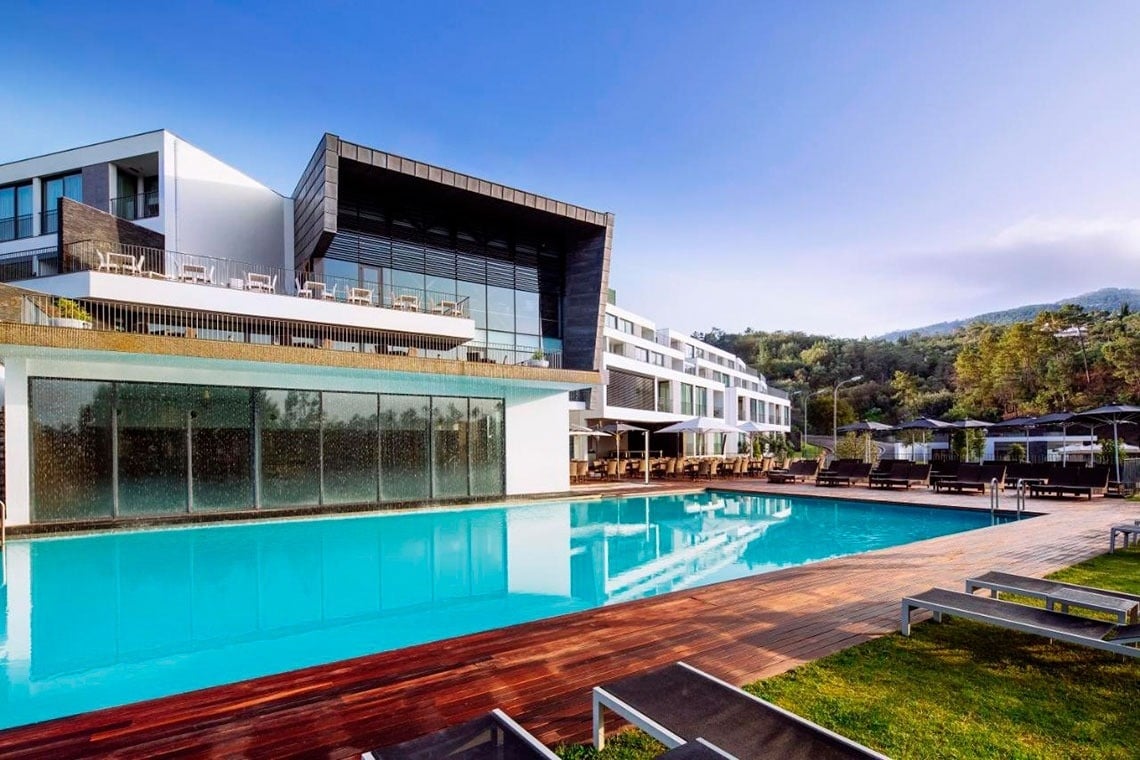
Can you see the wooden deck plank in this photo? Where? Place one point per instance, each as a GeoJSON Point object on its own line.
{"type": "Point", "coordinates": [542, 672]}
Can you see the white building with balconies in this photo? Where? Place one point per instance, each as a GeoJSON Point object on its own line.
{"type": "Point", "coordinates": [656, 376]}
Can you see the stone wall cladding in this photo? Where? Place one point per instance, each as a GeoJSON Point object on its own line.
{"type": "Point", "coordinates": [315, 202]}
{"type": "Point", "coordinates": [96, 186]}
{"type": "Point", "coordinates": [79, 222]}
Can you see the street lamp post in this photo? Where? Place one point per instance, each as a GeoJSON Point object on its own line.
{"type": "Point", "coordinates": [803, 395]}
{"type": "Point", "coordinates": [835, 413]}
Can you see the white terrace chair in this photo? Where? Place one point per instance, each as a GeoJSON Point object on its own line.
{"type": "Point", "coordinates": [362, 296]}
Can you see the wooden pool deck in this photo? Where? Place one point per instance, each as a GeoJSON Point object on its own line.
{"type": "Point", "coordinates": [541, 673]}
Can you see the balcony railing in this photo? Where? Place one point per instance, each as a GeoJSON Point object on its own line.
{"type": "Point", "coordinates": [16, 227]}
{"type": "Point", "coordinates": [143, 319]}
{"type": "Point", "coordinates": [49, 222]}
{"type": "Point", "coordinates": [207, 271]}
{"type": "Point", "coordinates": [133, 207]}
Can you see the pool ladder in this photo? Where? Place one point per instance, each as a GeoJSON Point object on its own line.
{"type": "Point", "coordinates": [1018, 500]}
{"type": "Point", "coordinates": [3, 526]}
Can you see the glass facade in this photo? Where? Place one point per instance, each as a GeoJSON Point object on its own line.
{"type": "Point", "coordinates": [102, 449]}
{"type": "Point", "coordinates": [15, 212]}
{"type": "Point", "coordinates": [513, 292]}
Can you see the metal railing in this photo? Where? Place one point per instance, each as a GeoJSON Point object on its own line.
{"type": "Point", "coordinates": [49, 221]}
{"type": "Point", "coordinates": [137, 206]}
{"type": "Point", "coordinates": [16, 227]}
{"type": "Point", "coordinates": [208, 271]}
{"type": "Point", "coordinates": [144, 319]}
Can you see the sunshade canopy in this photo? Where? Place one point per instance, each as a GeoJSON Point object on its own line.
{"type": "Point", "coordinates": [699, 425]}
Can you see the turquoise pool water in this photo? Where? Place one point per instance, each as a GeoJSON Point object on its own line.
{"type": "Point", "coordinates": [105, 620]}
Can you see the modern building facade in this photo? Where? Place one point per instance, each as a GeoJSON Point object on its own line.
{"type": "Point", "coordinates": [180, 339]}
{"type": "Point", "coordinates": [656, 376]}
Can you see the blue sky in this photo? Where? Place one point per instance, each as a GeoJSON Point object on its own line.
{"type": "Point", "coordinates": [847, 168]}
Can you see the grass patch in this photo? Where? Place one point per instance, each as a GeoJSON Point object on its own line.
{"type": "Point", "coordinates": [965, 690]}
{"type": "Point", "coordinates": [624, 745]}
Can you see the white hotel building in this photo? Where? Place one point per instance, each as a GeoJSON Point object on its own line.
{"type": "Point", "coordinates": [182, 342]}
{"type": "Point", "coordinates": [656, 376]}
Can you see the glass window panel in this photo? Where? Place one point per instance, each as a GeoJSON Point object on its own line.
{"type": "Point", "coordinates": [486, 445]}
{"type": "Point", "coordinates": [221, 442]}
{"type": "Point", "coordinates": [71, 449]}
{"type": "Point", "coordinates": [526, 312]}
{"type": "Point", "coordinates": [73, 187]}
{"type": "Point", "coordinates": [476, 295]}
{"type": "Point", "coordinates": [351, 448]}
{"type": "Point", "coordinates": [342, 274]}
{"type": "Point", "coordinates": [7, 202]}
{"type": "Point", "coordinates": [404, 448]}
{"type": "Point", "coordinates": [23, 200]}
{"type": "Point", "coordinates": [500, 309]}
{"type": "Point", "coordinates": [290, 447]}
{"type": "Point", "coordinates": [449, 446]}
{"type": "Point", "coordinates": [407, 282]}
{"type": "Point", "coordinates": [152, 448]}
{"type": "Point", "coordinates": [440, 289]}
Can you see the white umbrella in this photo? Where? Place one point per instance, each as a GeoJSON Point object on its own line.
{"type": "Point", "coordinates": [617, 428]}
{"type": "Point", "coordinates": [750, 428]}
{"type": "Point", "coordinates": [1113, 414]}
{"type": "Point", "coordinates": [583, 430]}
{"type": "Point", "coordinates": [700, 426]}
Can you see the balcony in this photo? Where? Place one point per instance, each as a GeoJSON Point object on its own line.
{"type": "Point", "coordinates": [135, 207]}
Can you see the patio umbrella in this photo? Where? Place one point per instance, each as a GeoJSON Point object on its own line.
{"type": "Point", "coordinates": [699, 426]}
{"type": "Point", "coordinates": [1115, 415]}
{"type": "Point", "coordinates": [583, 430]}
{"type": "Point", "coordinates": [1018, 423]}
{"type": "Point", "coordinates": [967, 425]}
{"type": "Point", "coordinates": [924, 424]}
{"type": "Point", "coordinates": [618, 429]}
{"type": "Point", "coordinates": [1057, 418]}
{"type": "Point", "coordinates": [865, 426]}
{"type": "Point", "coordinates": [751, 428]}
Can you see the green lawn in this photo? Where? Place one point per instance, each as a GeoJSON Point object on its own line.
{"type": "Point", "coordinates": [966, 690]}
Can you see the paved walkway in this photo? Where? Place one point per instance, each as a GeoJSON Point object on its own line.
{"type": "Point", "coordinates": [541, 673]}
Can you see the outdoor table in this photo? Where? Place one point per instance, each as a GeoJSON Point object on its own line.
{"type": "Point", "coordinates": [1124, 609]}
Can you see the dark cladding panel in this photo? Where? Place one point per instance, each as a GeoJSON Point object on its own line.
{"type": "Point", "coordinates": [315, 202]}
{"type": "Point", "coordinates": [587, 278]}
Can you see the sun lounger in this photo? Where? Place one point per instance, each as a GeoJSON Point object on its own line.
{"type": "Point", "coordinates": [844, 474]}
{"type": "Point", "coordinates": [700, 749]}
{"type": "Point", "coordinates": [1073, 481]}
{"type": "Point", "coordinates": [1096, 634]}
{"type": "Point", "coordinates": [886, 469]}
{"type": "Point", "coordinates": [678, 704]}
{"type": "Point", "coordinates": [973, 477]}
{"type": "Point", "coordinates": [797, 472]}
{"type": "Point", "coordinates": [1125, 606]}
{"type": "Point", "coordinates": [494, 737]}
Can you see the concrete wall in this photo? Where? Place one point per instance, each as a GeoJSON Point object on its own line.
{"type": "Point", "coordinates": [215, 210]}
{"type": "Point", "coordinates": [537, 445]}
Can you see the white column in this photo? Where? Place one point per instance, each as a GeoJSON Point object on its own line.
{"type": "Point", "coordinates": [17, 460]}
{"type": "Point", "coordinates": [37, 205]}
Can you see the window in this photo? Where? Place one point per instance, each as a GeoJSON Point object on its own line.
{"type": "Point", "coordinates": [16, 212]}
{"type": "Point", "coordinates": [611, 321]}
{"type": "Point", "coordinates": [625, 326]}
{"type": "Point", "coordinates": [641, 354]}
{"type": "Point", "coordinates": [66, 186]}
{"type": "Point", "coordinates": [686, 399]}
{"type": "Point", "coordinates": [664, 396]}
{"type": "Point", "coordinates": [629, 391]}
{"type": "Point", "coordinates": [701, 405]}
{"type": "Point", "coordinates": [656, 358]}
{"type": "Point", "coordinates": [718, 404]}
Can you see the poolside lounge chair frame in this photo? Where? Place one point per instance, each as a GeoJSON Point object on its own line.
{"type": "Point", "coordinates": [1041, 588]}
{"type": "Point", "coordinates": [1019, 617]}
{"type": "Point", "coordinates": [1073, 481]}
{"type": "Point", "coordinates": [846, 473]}
{"type": "Point", "coordinates": [604, 699]}
{"type": "Point", "coordinates": [496, 720]}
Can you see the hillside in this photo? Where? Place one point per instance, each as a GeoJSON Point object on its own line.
{"type": "Point", "coordinates": [1105, 299]}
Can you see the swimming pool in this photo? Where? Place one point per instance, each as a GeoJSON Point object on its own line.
{"type": "Point", "coordinates": [103, 620]}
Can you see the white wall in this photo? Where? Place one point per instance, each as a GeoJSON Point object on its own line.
{"type": "Point", "coordinates": [215, 210]}
{"type": "Point", "coordinates": [537, 443]}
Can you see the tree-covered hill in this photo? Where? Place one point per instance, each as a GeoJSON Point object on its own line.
{"type": "Point", "coordinates": [1105, 299]}
{"type": "Point", "coordinates": [1062, 358]}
